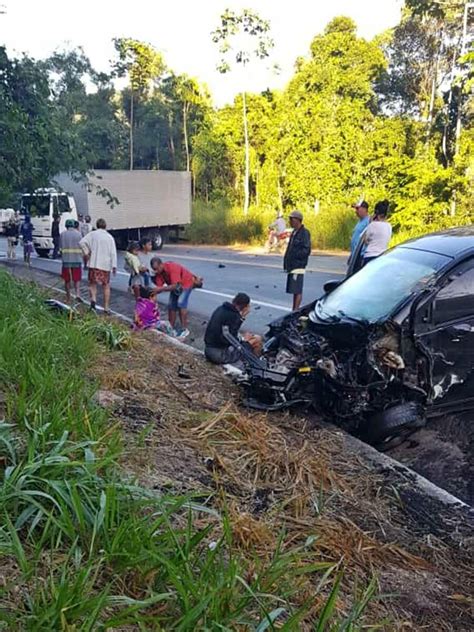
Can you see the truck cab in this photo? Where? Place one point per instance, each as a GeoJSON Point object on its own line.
{"type": "Point", "coordinates": [42, 206]}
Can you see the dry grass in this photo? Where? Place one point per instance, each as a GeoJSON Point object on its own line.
{"type": "Point", "coordinates": [280, 474]}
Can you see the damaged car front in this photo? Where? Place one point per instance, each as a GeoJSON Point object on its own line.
{"type": "Point", "coordinates": [354, 354]}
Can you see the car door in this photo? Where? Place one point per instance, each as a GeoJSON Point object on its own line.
{"type": "Point", "coordinates": [445, 329]}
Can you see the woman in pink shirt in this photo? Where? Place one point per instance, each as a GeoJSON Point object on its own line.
{"type": "Point", "coordinates": [179, 282]}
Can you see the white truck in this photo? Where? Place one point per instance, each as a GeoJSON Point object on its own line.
{"type": "Point", "coordinates": [42, 206]}
{"type": "Point", "coordinates": [148, 204]}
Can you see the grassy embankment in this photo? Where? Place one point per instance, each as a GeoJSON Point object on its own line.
{"type": "Point", "coordinates": [331, 228]}
{"type": "Point", "coordinates": [82, 545]}
{"type": "Point", "coordinates": [220, 223]}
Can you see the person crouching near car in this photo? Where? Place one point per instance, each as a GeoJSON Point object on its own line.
{"type": "Point", "coordinates": [71, 254]}
{"type": "Point", "coordinates": [231, 315]}
{"type": "Point", "coordinates": [174, 278]}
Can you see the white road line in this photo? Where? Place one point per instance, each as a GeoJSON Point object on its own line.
{"type": "Point", "coordinates": [271, 305]}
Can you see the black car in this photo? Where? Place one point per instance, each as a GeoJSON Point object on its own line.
{"type": "Point", "coordinates": [382, 350]}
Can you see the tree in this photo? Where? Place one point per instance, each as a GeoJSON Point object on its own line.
{"type": "Point", "coordinates": [327, 114]}
{"type": "Point", "coordinates": [143, 64]}
{"type": "Point", "coordinates": [242, 36]}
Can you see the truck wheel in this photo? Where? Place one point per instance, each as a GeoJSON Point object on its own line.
{"type": "Point", "coordinates": [402, 419]}
{"type": "Point", "coordinates": [42, 252]}
{"type": "Point", "coordinates": [158, 241]}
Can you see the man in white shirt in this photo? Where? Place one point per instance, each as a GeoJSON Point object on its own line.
{"type": "Point", "coordinates": [276, 228]}
{"type": "Point", "coordinates": [378, 233]}
{"type": "Point", "coordinates": [101, 254]}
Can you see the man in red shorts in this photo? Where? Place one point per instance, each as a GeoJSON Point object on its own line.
{"type": "Point", "coordinates": [101, 254]}
{"type": "Point", "coordinates": [71, 254]}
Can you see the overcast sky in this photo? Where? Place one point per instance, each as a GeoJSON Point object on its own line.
{"type": "Point", "coordinates": [181, 30]}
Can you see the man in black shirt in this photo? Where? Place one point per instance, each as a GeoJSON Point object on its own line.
{"type": "Point", "coordinates": [296, 257]}
{"type": "Point", "coordinates": [55, 234]}
{"type": "Point", "coordinates": [231, 315]}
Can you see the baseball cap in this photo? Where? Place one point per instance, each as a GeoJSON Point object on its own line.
{"type": "Point", "coordinates": [296, 215]}
{"type": "Point", "coordinates": [69, 223]}
{"type": "Point", "coordinates": [360, 204]}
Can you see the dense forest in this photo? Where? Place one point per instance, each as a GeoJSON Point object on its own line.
{"type": "Point", "coordinates": [388, 118]}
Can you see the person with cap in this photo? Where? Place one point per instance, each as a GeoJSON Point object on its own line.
{"type": "Point", "coordinates": [378, 233]}
{"type": "Point", "coordinates": [71, 253]}
{"type": "Point", "coordinates": [362, 212]}
{"type": "Point", "coordinates": [296, 257]}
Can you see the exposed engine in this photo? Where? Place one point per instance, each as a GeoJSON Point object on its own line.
{"type": "Point", "coordinates": [344, 371]}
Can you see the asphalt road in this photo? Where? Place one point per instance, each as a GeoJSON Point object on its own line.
{"type": "Point", "coordinates": [227, 271]}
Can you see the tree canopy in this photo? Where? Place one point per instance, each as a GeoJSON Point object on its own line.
{"type": "Point", "coordinates": [386, 118]}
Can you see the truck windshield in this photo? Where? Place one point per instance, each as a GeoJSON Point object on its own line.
{"type": "Point", "coordinates": [374, 292]}
{"type": "Point", "coordinates": [35, 205]}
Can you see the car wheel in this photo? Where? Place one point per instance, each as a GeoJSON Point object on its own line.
{"type": "Point", "coordinates": [402, 419]}
{"type": "Point", "coordinates": [42, 252]}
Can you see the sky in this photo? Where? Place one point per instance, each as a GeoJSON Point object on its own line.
{"type": "Point", "coordinates": [180, 29]}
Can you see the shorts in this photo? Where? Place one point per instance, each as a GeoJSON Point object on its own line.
{"type": "Point", "coordinates": [294, 284]}
{"type": "Point", "coordinates": [27, 247]}
{"type": "Point", "coordinates": [179, 301]}
{"type": "Point", "coordinates": [71, 274]}
{"type": "Point", "coordinates": [100, 277]}
{"type": "Point", "coordinates": [135, 279]}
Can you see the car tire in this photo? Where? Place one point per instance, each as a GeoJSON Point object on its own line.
{"type": "Point", "coordinates": [42, 252]}
{"type": "Point", "coordinates": [393, 422]}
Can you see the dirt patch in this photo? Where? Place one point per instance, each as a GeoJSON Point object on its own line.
{"type": "Point", "coordinates": [443, 452]}
{"type": "Point", "coordinates": [285, 476]}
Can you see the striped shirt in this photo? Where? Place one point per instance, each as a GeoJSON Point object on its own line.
{"type": "Point", "coordinates": [70, 250]}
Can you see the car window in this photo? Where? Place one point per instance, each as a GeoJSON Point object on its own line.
{"type": "Point", "coordinates": [455, 300]}
{"type": "Point", "coordinates": [374, 292]}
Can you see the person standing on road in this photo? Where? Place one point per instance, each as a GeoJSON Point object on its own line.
{"type": "Point", "coordinates": [146, 246]}
{"type": "Point", "coordinates": [85, 225]}
{"type": "Point", "coordinates": [71, 254]}
{"type": "Point", "coordinates": [11, 232]}
{"type": "Point", "coordinates": [26, 232]}
{"type": "Point", "coordinates": [296, 257]}
{"type": "Point", "coordinates": [101, 255]}
{"type": "Point", "coordinates": [179, 282]}
{"type": "Point", "coordinates": [231, 315]}
{"type": "Point", "coordinates": [378, 233]}
{"type": "Point", "coordinates": [55, 234]}
{"type": "Point", "coordinates": [362, 212]}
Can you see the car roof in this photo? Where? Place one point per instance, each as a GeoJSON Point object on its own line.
{"type": "Point", "coordinates": [454, 242]}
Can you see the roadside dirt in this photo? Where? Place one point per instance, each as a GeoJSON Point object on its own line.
{"type": "Point", "coordinates": [286, 475]}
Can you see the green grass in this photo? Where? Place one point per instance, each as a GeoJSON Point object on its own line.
{"type": "Point", "coordinates": [83, 548]}
{"type": "Point", "coordinates": [221, 223]}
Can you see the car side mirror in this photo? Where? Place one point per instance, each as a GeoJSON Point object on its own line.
{"type": "Point", "coordinates": [329, 286]}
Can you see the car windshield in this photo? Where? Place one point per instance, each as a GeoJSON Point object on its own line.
{"type": "Point", "coordinates": [35, 205]}
{"type": "Point", "coordinates": [375, 291]}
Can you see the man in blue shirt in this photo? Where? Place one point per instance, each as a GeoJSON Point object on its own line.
{"type": "Point", "coordinates": [362, 212]}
